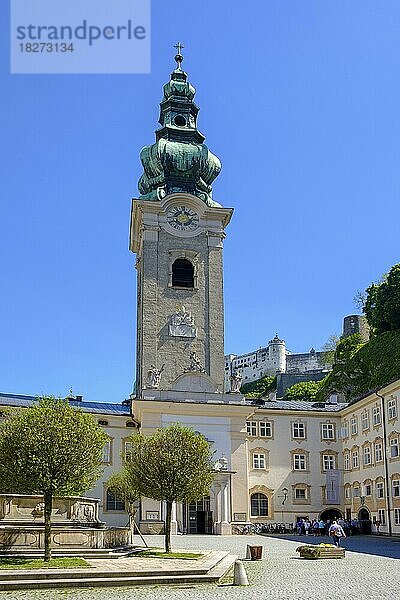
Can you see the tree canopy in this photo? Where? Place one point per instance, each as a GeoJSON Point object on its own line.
{"type": "Point", "coordinates": [51, 449]}
{"type": "Point", "coordinates": [304, 390]}
{"type": "Point", "coordinates": [381, 303]}
{"type": "Point", "coordinates": [175, 464]}
{"type": "Point", "coordinates": [259, 388]}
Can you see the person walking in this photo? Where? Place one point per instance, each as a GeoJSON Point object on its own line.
{"type": "Point", "coordinates": [321, 525]}
{"type": "Point", "coordinates": [336, 533]}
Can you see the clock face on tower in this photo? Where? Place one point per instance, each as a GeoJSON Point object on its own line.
{"type": "Point", "coordinates": [183, 218]}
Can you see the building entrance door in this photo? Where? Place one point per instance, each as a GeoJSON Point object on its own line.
{"type": "Point", "coordinates": [200, 517]}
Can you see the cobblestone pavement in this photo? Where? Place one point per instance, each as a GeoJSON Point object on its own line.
{"type": "Point", "coordinates": [370, 570]}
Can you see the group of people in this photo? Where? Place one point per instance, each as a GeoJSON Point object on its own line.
{"type": "Point", "coordinates": [336, 530]}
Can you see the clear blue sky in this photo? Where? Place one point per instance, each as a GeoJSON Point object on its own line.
{"type": "Point", "coordinates": [300, 100]}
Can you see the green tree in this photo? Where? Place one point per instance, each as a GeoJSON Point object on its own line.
{"type": "Point", "coordinates": [175, 464]}
{"type": "Point", "coordinates": [50, 449]}
{"type": "Point", "coordinates": [382, 302]}
{"type": "Point", "coordinates": [304, 390]}
{"type": "Point", "coordinates": [329, 349]}
{"type": "Point", "coordinates": [259, 388]}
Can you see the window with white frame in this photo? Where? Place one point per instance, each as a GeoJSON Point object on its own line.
{"type": "Point", "coordinates": [300, 493]}
{"type": "Point", "coordinates": [329, 462]}
{"type": "Point", "coordinates": [128, 449]}
{"type": "Point", "coordinates": [376, 415]}
{"type": "Point", "coordinates": [394, 447]}
{"type": "Point", "coordinates": [354, 459]}
{"type": "Point", "coordinates": [367, 455]}
{"type": "Point", "coordinates": [265, 429]}
{"type": "Point", "coordinates": [299, 430]}
{"type": "Point", "coordinates": [344, 430]}
{"type": "Point", "coordinates": [346, 461]}
{"type": "Point", "coordinates": [396, 488]}
{"type": "Point", "coordinates": [328, 431]}
{"type": "Point", "coordinates": [299, 462]}
{"type": "Point", "coordinates": [353, 426]}
{"type": "Point", "coordinates": [107, 452]}
{"type": "Point", "coordinates": [378, 452]}
{"type": "Point", "coordinates": [392, 408]}
{"type": "Point", "coordinates": [251, 428]}
{"type": "Point", "coordinates": [382, 516]}
{"type": "Point", "coordinates": [368, 489]}
{"type": "Point", "coordinates": [365, 420]}
{"type": "Point", "coordinates": [258, 461]}
{"type": "Point", "coordinates": [397, 516]}
{"type": "Point", "coordinates": [259, 505]}
{"type": "Point", "coordinates": [380, 489]}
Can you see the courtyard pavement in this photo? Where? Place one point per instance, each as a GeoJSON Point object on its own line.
{"type": "Point", "coordinates": [370, 570]}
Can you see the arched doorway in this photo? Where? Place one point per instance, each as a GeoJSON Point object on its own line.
{"type": "Point", "coordinates": [364, 519]}
{"type": "Point", "coordinates": [330, 514]}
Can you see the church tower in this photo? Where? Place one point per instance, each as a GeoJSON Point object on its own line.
{"type": "Point", "coordinates": [177, 233]}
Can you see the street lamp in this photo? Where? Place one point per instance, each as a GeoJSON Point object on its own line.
{"type": "Point", "coordinates": [284, 496]}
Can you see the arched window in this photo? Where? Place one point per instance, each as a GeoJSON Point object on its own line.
{"type": "Point", "coordinates": [182, 273]}
{"type": "Point", "coordinates": [259, 505]}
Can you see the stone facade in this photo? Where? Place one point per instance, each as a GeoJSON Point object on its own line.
{"type": "Point", "coordinates": [158, 245]}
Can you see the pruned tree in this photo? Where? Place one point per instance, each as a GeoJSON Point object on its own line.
{"type": "Point", "coordinates": [173, 465]}
{"type": "Point", "coordinates": [52, 449]}
{"type": "Point", "coordinates": [119, 485]}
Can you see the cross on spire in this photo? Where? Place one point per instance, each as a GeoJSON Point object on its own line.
{"type": "Point", "coordinates": [178, 56]}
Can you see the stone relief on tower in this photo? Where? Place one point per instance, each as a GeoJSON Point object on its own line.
{"type": "Point", "coordinates": [182, 323]}
{"type": "Point", "coordinates": [195, 364]}
{"type": "Point", "coordinates": [154, 377]}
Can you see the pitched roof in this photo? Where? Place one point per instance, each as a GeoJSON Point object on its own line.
{"type": "Point", "coordinates": [106, 408]}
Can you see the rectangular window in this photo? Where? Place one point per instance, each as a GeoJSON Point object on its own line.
{"type": "Point", "coordinates": [265, 429]}
{"type": "Point", "coordinates": [128, 451]}
{"type": "Point", "coordinates": [344, 430]}
{"type": "Point", "coordinates": [300, 493]}
{"type": "Point", "coordinates": [397, 516]}
{"type": "Point", "coordinates": [353, 426]}
{"type": "Point", "coordinates": [328, 462]}
{"type": "Point", "coordinates": [367, 455]}
{"type": "Point", "coordinates": [368, 489]}
{"type": "Point", "coordinates": [392, 408]}
{"type": "Point", "coordinates": [365, 420]}
{"type": "Point", "coordinates": [376, 415]}
{"type": "Point", "coordinates": [299, 430]}
{"type": "Point", "coordinates": [396, 488]}
{"type": "Point", "coordinates": [379, 489]}
{"type": "Point", "coordinates": [347, 493]}
{"type": "Point", "coordinates": [378, 452]}
{"type": "Point", "coordinates": [382, 516]}
{"type": "Point", "coordinates": [107, 452]}
{"type": "Point", "coordinates": [251, 428]}
{"type": "Point", "coordinates": [356, 492]}
{"type": "Point", "coordinates": [394, 447]}
{"type": "Point", "coordinates": [328, 431]}
{"type": "Point", "coordinates": [113, 502]}
{"type": "Point", "coordinates": [346, 462]}
{"type": "Point", "coordinates": [299, 462]}
{"type": "Point", "coordinates": [354, 459]}
{"type": "Point", "coordinates": [258, 461]}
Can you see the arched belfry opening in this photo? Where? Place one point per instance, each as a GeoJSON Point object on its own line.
{"type": "Point", "coordinates": [182, 273]}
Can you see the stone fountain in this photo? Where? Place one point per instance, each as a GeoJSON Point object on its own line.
{"type": "Point", "coordinates": [75, 524]}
